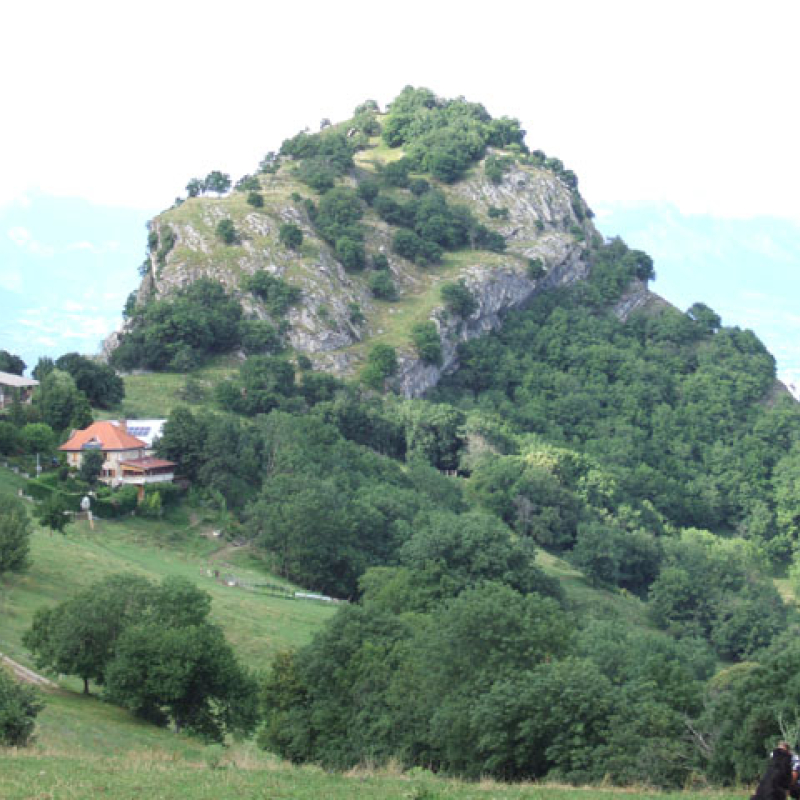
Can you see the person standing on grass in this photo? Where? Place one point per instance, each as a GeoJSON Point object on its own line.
{"type": "Point", "coordinates": [778, 778]}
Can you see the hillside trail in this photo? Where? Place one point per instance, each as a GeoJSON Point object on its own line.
{"type": "Point", "coordinates": [225, 551]}
{"type": "Point", "coordinates": [26, 675]}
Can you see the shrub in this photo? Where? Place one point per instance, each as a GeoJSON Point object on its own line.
{"type": "Point", "coordinates": [425, 337]}
{"type": "Point", "coordinates": [382, 286]}
{"type": "Point", "coordinates": [276, 294]}
{"type": "Point", "coordinates": [121, 502]}
{"type": "Point", "coordinates": [497, 166]}
{"type": "Point", "coordinates": [19, 706]}
{"type": "Point", "coordinates": [318, 174]}
{"type": "Point", "coordinates": [458, 299]}
{"type": "Point", "coordinates": [255, 199]}
{"type": "Point", "coordinates": [419, 186]}
{"type": "Point", "coordinates": [409, 245]}
{"type": "Point", "coordinates": [248, 183]}
{"type": "Point", "coordinates": [290, 235]}
{"type": "Point", "coordinates": [350, 252]}
{"type": "Point", "coordinates": [396, 173]}
{"type": "Point", "coordinates": [356, 314]}
{"type": "Point", "coordinates": [15, 531]}
{"type": "Point", "coordinates": [488, 240]}
{"type": "Point", "coordinates": [226, 231]}
{"type": "Point", "coordinates": [381, 364]}
{"type": "Point", "coordinates": [259, 336]}
{"type": "Point", "coordinates": [535, 269]}
{"type": "Point", "coordinates": [368, 190]}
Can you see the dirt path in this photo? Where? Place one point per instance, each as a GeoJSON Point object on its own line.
{"type": "Point", "coordinates": [225, 551]}
{"type": "Point", "coordinates": [26, 675]}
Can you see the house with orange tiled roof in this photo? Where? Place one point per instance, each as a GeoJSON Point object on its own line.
{"type": "Point", "coordinates": [127, 460]}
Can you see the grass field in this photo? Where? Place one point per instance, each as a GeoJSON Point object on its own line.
{"type": "Point", "coordinates": [151, 395]}
{"type": "Point", "coordinates": [245, 775]}
{"type": "Point", "coordinates": [256, 623]}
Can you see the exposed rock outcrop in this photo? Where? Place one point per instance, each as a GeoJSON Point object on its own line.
{"type": "Point", "coordinates": [541, 219]}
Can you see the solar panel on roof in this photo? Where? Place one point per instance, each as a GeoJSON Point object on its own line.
{"type": "Point", "coordinates": [139, 431]}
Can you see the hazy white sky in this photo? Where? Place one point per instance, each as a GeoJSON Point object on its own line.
{"type": "Point", "coordinates": [692, 103]}
{"type": "Point", "coordinates": [685, 105]}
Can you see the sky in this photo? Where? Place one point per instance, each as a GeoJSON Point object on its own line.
{"type": "Point", "coordinates": [680, 119]}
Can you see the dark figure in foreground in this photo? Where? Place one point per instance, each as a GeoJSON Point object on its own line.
{"type": "Point", "coordinates": [778, 777]}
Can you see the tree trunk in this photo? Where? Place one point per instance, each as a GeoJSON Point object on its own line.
{"type": "Point", "coordinates": [86, 686]}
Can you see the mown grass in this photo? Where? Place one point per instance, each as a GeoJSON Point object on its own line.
{"type": "Point", "coordinates": [257, 624]}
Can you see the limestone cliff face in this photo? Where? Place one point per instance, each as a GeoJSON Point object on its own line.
{"type": "Point", "coordinates": [338, 317]}
{"type": "Point", "coordinates": [497, 292]}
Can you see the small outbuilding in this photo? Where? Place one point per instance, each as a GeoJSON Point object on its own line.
{"type": "Point", "coordinates": [15, 389]}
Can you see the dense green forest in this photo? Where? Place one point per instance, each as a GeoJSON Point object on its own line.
{"type": "Point", "coordinates": [651, 453]}
{"type": "Point", "coordinates": [655, 454]}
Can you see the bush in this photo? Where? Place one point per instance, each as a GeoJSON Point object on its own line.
{"type": "Point", "coordinates": [381, 364]}
{"type": "Point", "coordinates": [419, 186]}
{"type": "Point", "coordinates": [15, 531]}
{"type": "Point", "coordinates": [425, 337]}
{"type": "Point", "coordinates": [535, 269]}
{"type": "Point", "coordinates": [290, 235]}
{"type": "Point", "coordinates": [368, 190]}
{"type": "Point", "coordinates": [226, 231]}
{"type": "Point", "coordinates": [248, 183]}
{"type": "Point", "coordinates": [382, 286]}
{"type": "Point", "coordinates": [396, 173]}
{"type": "Point", "coordinates": [276, 294]}
{"type": "Point", "coordinates": [258, 336]}
{"type": "Point", "coordinates": [40, 491]}
{"type": "Point", "coordinates": [255, 199]}
{"type": "Point", "coordinates": [318, 174]}
{"type": "Point", "coordinates": [488, 240]}
{"type": "Point", "coordinates": [19, 706]}
{"type": "Point", "coordinates": [121, 502]}
{"type": "Point", "coordinates": [350, 252]}
{"type": "Point", "coordinates": [10, 440]}
{"type": "Point", "coordinates": [496, 166]}
{"type": "Point", "coordinates": [458, 299]}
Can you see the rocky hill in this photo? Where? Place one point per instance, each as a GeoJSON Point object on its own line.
{"type": "Point", "coordinates": [530, 201]}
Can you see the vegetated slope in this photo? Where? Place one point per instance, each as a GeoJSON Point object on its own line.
{"type": "Point", "coordinates": [600, 426]}
{"type": "Point", "coordinates": [367, 220]}
{"type": "Point", "coordinates": [257, 623]}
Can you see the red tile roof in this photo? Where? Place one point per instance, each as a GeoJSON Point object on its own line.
{"type": "Point", "coordinates": [107, 435]}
